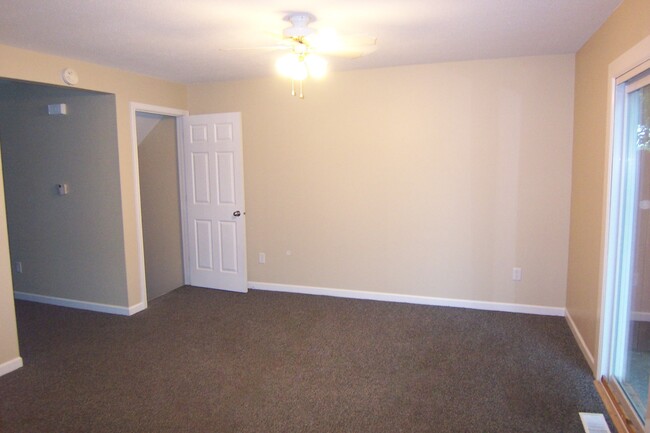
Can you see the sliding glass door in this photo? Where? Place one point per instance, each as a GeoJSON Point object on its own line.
{"type": "Point", "coordinates": [629, 247]}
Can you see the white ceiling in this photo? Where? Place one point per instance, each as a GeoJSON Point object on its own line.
{"type": "Point", "coordinates": [180, 40]}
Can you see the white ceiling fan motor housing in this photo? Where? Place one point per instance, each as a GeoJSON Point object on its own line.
{"type": "Point", "coordinates": [299, 21]}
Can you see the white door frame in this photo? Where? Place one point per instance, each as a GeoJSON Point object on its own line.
{"type": "Point", "coordinates": [178, 114]}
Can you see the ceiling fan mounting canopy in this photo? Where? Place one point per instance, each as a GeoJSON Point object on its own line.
{"type": "Point", "coordinates": [299, 25]}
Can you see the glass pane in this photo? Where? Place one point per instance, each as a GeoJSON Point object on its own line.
{"type": "Point", "coordinates": [633, 369]}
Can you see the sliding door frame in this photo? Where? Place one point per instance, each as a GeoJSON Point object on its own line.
{"type": "Point", "coordinates": [629, 65]}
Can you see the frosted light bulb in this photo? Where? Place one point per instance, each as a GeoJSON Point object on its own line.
{"type": "Point", "coordinates": [291, 66]}
{"type": "Point", "coordinates": [317, 66]}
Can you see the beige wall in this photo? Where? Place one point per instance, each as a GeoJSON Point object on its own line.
{"type": "Point", "coordinates": [127, 87]}
{"type": "Point", "coordinates": [432, 180]}
{"type": "Point", "coordinates": [627, 26]}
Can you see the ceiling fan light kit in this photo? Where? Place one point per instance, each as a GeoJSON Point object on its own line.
{"type": "Point", "coordinates": [298, 67]}
{"type": "Point", "coordinates": [304, 42]}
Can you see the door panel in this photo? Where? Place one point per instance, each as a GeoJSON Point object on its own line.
{"type": "Point", "coordinates": [214, 174]}
{"type": "Point", "coordinates": [203, 239]}
{"type": "Point", "coordinates": [226, 178]}
{"type": "Point", "coordinates": [201, 178]}
{"type": "Point", "coordinates": [228, 241]}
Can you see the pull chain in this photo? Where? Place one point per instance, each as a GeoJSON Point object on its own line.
{"type": "Point", "coordinates": [293, 89]}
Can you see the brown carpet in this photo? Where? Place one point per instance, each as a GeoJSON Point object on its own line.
{"type": "Point", "coordinates": [208, 361]}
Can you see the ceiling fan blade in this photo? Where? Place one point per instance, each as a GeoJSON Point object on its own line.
{"type": "Point", "coordinates": [328, 42]}
{"type": "Point", "coordinates": [261, 48]}
{"type": "Point", "coordinates": [358, 40]}
{"type": "Point", "coordinates": [347, 52]}
{"type": "Point", "coordinates": [279, 43]}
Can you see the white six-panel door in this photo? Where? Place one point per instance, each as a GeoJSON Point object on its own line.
{"type": "Point", "coordinates": [214, 194]}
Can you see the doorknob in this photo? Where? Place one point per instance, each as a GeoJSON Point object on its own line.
{"type": "Point", "coordinates": [236, 213]}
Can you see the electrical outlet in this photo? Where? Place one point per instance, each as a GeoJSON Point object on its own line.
{"type": "Point", "coordinates": [261, 258]}
{"type": "Point", "coordinates": [516, 274]}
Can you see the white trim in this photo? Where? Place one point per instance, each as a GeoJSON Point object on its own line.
{"type": "Point", "coordinates": [635, 85]}
{"type": "Point", "coordinates": [157, 109]}
{"type": "Point", "coordinates": [11, 365]}
{"type": "Point", "coordinates": [636, 70]}
{"type": "Point", "coordinates": [410, 299]}
{"type": "Point", "coordinates": [631, 59]}
{"type": "Point", "coordinates": [81, 305]}
{"type": "Point", "coordinates": [640, 316]}
{"type": "Point", "coordinates": [136, 107]}
{"type": "Point", "coordinates": [180, 139]}
{"type": "Point", "coordinates": [581, 342]}
{"type": "Point", "coordinates": [133, 309]}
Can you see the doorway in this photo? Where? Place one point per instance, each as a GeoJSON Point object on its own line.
{"type": "Point", "coordinates": [210, 180]}
{"type": "Point", "coordinates": [160, 202]}
{"type": "Point", "coordinates": [156, 145]}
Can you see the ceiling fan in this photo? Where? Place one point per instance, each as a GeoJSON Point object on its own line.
{"type": "Point", "coordinates": [300, 36]}
{"type": "Point", "coordinates": [306, 45]}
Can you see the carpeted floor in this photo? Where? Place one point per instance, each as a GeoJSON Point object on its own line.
{"type": "Point", "coordinates": [208, 361]}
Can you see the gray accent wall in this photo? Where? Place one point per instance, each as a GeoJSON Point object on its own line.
{"type": "Point", "coordinates": [159, 196]}
{"type": "Point", "coordinates": [70, 246]}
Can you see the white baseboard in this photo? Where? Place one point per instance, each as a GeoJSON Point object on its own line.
{"type": "Point", "coordinates": [82, 305]}
{"type": "Point", "coordinates": [11, 365]}
{"type": "Point", "coordinates": [581, 343]}
{"type": "Point", "coordinates": [133, 309]}
{"type": "Point", "coordinates": [640, 316]}
{"type": "Point", "coordinates": [410, 299]}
